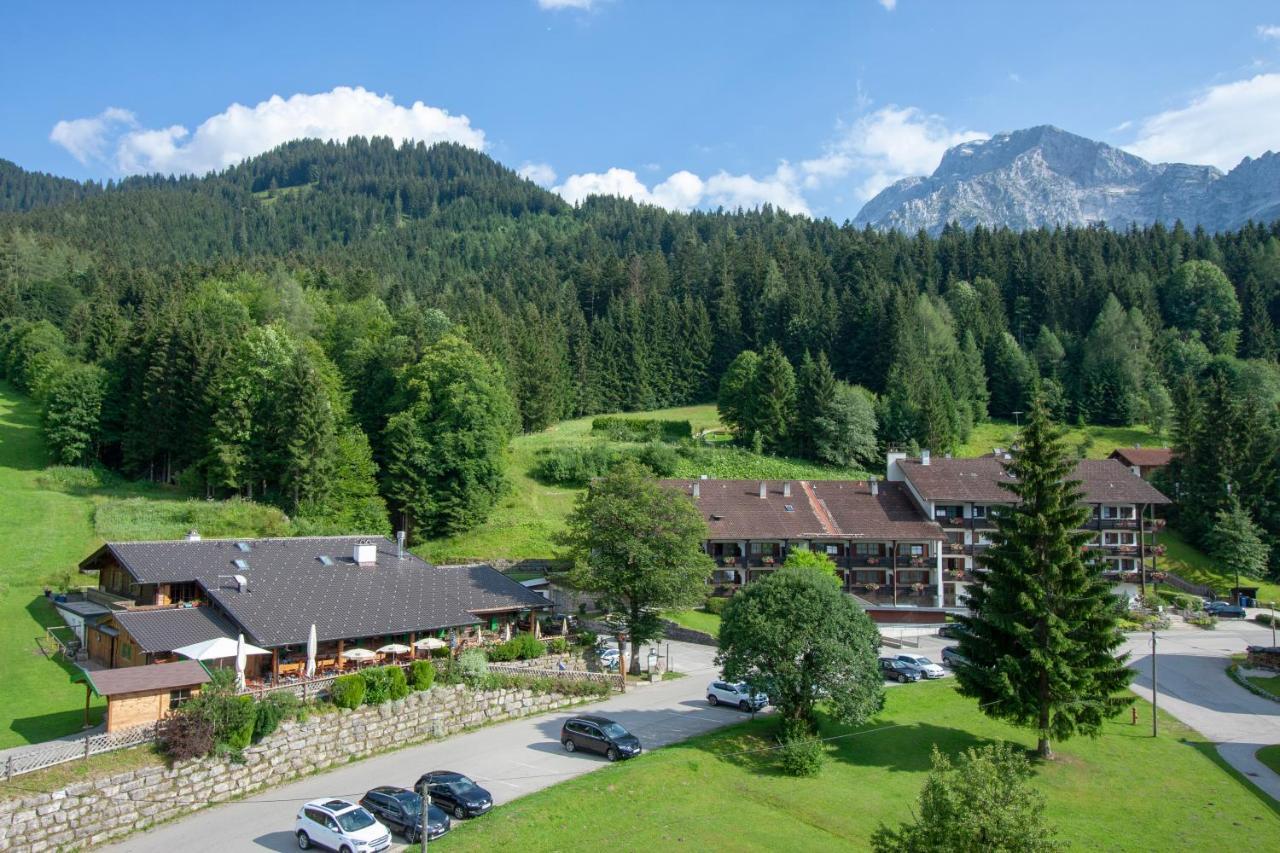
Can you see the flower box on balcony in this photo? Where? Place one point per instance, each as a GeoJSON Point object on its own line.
{"type": "Point", "coordinates": [918, 587]}
{"type": "Point", "coordinates": [956, 520]}
{"type": "Point", "coordinates": [957, 574]}
{"type": "Point", "coordinates": [873, 561]}
{"type": "Point", "coordinates": [871, 587]}
{"type": "Point", "coordinates": [1159, 550]}
{"type": "Point", "coordinates": [917, 561]}
{"type": "Point", "coordinates": [768, 561]}
{"type": "Point", "coordinates": [955, 547]}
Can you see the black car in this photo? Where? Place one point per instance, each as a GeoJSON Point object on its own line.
{"type": "Point", "coordinates": [899, 671]}
{"type": "Point", "coordinates": [1228, 611]}
{"type": "Point", "coordinates": [455, 793]}
{"type": "Point", "coordinates": [599, 734]}
{"type": "Point", "coordinates": [952, 631]}
{"type": "Point", "coordinates": [401, 811]}
{"type": "Point", "coordinates": [951, 656]}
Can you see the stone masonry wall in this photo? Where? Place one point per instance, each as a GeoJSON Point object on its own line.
{"type": "Point", "coordinates": [87, 814]}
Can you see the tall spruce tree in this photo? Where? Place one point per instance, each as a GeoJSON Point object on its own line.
{"type": "Point", "coordinates": [775, 397]}
{"type": "Point", "coordinates": [1044, 628]}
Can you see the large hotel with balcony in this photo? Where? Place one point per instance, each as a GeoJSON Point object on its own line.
{"type": "Point", "coordinates": [907, 545]}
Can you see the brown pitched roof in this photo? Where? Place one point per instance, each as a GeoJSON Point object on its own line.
{"type": "Point", "coordinates": [152, 677]}
{"type": "Point", "coordinates": [979, 480]}
{"type": "Point", "coordinates": [819, 509]}
{"type": "Point", "coordinates": [1143, 457]}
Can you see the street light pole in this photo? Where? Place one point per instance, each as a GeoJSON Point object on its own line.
{"type": "Point", "coordinates": [1273, 624]}
{"type": "Point", "coordinates": [426, 817]}
{"type": "Point", "coordinates": [1154, 725]}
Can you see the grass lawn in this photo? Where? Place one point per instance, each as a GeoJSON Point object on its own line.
{"type": "Point", "coordinates": [1123, 791]}
{"type": "Point", "coordinates": [50, 519]}
{"type": "Point", "coordinates": [1101, 439]}
{"type": "Point", "coordinates": [1188, 562]}
{"type": "Point", "coordinates": [1270, 756]}
{"type": "Point", "coordinates": [696, 620]}
{"type": "Point", "coordinates": [1269, 683]}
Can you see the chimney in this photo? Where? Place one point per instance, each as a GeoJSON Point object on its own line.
{"type": "Point", "coordinates": [193, 535]}
{"type": "Point", "coordinates": [875, 488]}
{"type": "Point", "coordinates": [764, 489]}
{"type": "Point", "coordinates": [366, 554]}
{"type": "Point", "coordinates": [924, 456]}
{"type": "Point", "coordinates": [786, 489]}
{"type": "Point", "coordinates": [400, 544]}
{"type": "Point", "coordinates": [697, 490]}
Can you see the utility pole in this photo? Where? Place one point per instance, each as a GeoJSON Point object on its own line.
{"type": "Point", "coordinates": [426, 817]}
{"type": "Point", "coordinates": [1273, 624]}
{"type": "Point", "coordinates": [1155, 731]}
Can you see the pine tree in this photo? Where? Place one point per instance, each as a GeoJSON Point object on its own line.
{"type": "Point", "coordinates": [1236, 543]}
{"type": "Point", "coordinates": [736, 402]}
{"type": "Point", "coordinates": [815, 399]}
{"type": "Point", "coordinates": [1044, 625]}
{"type": "Point", "coordinates": [774, 393]}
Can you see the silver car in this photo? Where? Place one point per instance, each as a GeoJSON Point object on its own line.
{"type": "Point", "coordinates": [927, 668]}
{"type": "Point", "coordinates": [737, 695]}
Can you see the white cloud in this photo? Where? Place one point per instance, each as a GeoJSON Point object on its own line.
{"type": "Point", "coordinates": [888, 4]}
{"type": "Point", "coordinates": [684, 190]}
{"type": "Point", "coordinates": [556, 5]}
{"type": "Point", "coordinates": [86, 138]}
{"type": "Point", "coordinates": [1221, 126]}
{"type": "Point", "coordinates": [885, 146]}
{"type": "Point", "coordinates": [1269, 31]}
{"type": "Point", "coordinates": [540, 173]}
{"type": "Point", "coordinates": [115, 138]}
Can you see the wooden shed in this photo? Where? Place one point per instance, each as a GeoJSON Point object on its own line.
{"type": "Point", "coordinates": [139, 695]}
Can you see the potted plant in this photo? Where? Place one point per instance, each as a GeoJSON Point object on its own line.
{"type": "Point", "coordinates": [767, 559]}
{"type": "Point", "coordinates": [730, 561]}
{"type": "Point", "coordinates": [917, 561]}
{"type": "Point", "coordinates": [873, 561]}
{"type": "Point", "coordinates": [918, 588]}
{"type": "Point", "coordinates": [1158, 550]}
{"type": "Point", "coordinates": [871, 587]}
{"type": "Point", "coordinates": [957, 520]}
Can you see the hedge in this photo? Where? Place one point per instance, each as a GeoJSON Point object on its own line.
{"type": "Point", "coordinates": [643, 429]}
{"type": "Point", "coordinates": [348, 691]}
{"type": "Point", "coordinates": [422, 674]}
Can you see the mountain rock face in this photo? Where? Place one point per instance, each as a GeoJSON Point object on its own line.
{"type": "Point", "coordinates": [1044, 176]}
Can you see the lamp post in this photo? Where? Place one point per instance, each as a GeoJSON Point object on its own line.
{"type": "Point", "coordinates": [1273, 624]}
{"type": "Point", "coordinates": [1017, 420]}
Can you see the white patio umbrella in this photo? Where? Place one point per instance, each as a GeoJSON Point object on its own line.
{"type": "Point", "coordinates": [217, 648]}
{"type": "Point", "coordinates": [241, 661]}
{"type": "Point", "coordinates": [430, 643]}
{"type": "Point", "coordinates": [564, 626]}
{"type": "Point", "coordinates": [506, 631]}
{"type": "Point", "coordinates": [394, 649]}
{"type": "Point", "coordinates": [359, 654]}
{"type": "Point", "coordinates": [311, 652]}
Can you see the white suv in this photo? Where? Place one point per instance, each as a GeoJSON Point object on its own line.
{"type": "Point", "coordinates": [738, 695]}
{"type": "Point", "coordinates": [341, 826]}
{"type": "Point", "coordinates": [927, 668]}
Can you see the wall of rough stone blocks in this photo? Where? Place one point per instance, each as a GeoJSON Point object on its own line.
{"type": "Point", "coordinates": [86, 814]}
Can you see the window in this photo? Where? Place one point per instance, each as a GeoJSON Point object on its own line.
{"type": "Point", "coordinates": [833, 550]}
{"type": "Point", "coordinates": [979, 511]}
{"type": "Point", "coordinates": [867, 549]}
{"type": "Point", "coordinates": [126, 651]}
{"type": "Point", "coordinates": [178, 697]}
{"type": "Point", "coordinates": [789, 507]}
{"type": "Point", "coordinates": [316, 816]}
{"type": "Point", "coordinates": [915, 549]}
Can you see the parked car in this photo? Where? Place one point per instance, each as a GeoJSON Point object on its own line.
{"type": "Point", "coordinates": [401, 810]}
{"type": "Point", "coordinates": [738, 695]}
{"type": "Point", "coordinates": [1214, 606]}
{"type": "Point", "coordinates": [339, 825]}
{"type": "Point", "coordinates": [455, 793]}
{"type": "Point", "coordinates": [599, 734]}
{"type": "Point", "coordinates": [609, 658]}
{"type": "Point", "coordinates": [927, 668]}
{"type": "Point", "coordinates": [952, 631]}
{"type": "Point", "coordinates": [1229, 611]}
{"type": "Point", "coordinates": [896, 670]}
{"type": "Point", "coordinates": [951, 656]}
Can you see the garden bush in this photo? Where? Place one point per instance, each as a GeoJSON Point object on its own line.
{"type": "Point", "coordinates": [501, 652]}
{"type": "Point", "coordinates": [473, 666]}
{"type": "Point", "coordinates": [558, 646]}
{"type": "Point", "coordinates": [384, 684]}
{"type": "Point", "coordinates": [271, 710]}
{"type": "Point", "coordinates": [422, 674]}
{"type": "Point", "coordinates": [573, 466]}
{"type": "Point", "coordinates": [347, 691]}
{"type": "Point", "coordinates": [642, 429]}
{"type": "Point", "coordinates": [1263, 619]}
{"type": "Point", "coordinates": [716, 604]}
{"type": "Point", "coordinates": [242, 721]}
{"type": "Point", "coordinates": [587, 639]}
{"type": "Point", "coordinates": [661, 459]}
{"type": "Point", "coordinates": [527, 647]}
{"type": "Point", "coordinates": [802, 753]}
{"type": "Point", "coordinates": [186, 734]}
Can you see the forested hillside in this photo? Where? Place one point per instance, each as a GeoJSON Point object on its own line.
{"type": "Point", "coordinates": [331, 326]}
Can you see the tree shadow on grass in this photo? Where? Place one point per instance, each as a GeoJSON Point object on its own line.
{"type": "Point", "coordinates": [21, 442]}
{"type": "Point", "coordinates": [54, 725]}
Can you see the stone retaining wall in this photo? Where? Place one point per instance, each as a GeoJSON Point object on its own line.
{"type": "Point", "coordinates": [673, 631]}
{"type": "Point", "coordinates": [88, 814]}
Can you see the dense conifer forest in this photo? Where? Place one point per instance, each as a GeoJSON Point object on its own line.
{"type": "Point", "coordinates": [355, 329]}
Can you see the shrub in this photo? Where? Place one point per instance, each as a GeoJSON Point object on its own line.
{"type": "Point", "coordinates": [422, 674]}
{"type": "Point", "coordinates": [1263, 619]}
{"type": "Point", "coordinates": [244, 717]}
{"type": "Point", "coordinates": [573, 466]}
{"type": "Point", "coordinates": [186, 734]}
{"type": "Point", "coordinates": [716, 604]}
{"type": "Point", "coordinates": [802, 753]}
{"type": "Point", "coordinates": [1203, 620]}
{"type": "Point", "coordinates": [642, 429]}
{"type": "Point", "coordinates": [558, 646]}
{"type": "Point", "coordinates": [527, 647]}
{"type": "Point", "coordinates": [587, 639]}
{"type": "Point", "coordinates": [384, 684]}
{"type": "Point", "coordinates": [270, 710]}
{"type": "Point", "coordinates": [347, 691]}
{"type": "Point", "coordinates": [501, 652]}
{"type": "Point", "coordinates": [661, 459]}
{"type": "Point", "coordinates": [473, 666]}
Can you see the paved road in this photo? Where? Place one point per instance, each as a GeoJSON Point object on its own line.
{"type": "Point", "coordinates": [1194, 687]}
{"type": "Point", "coordinates": [510, 759]}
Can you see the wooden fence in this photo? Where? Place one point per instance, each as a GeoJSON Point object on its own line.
{"type": "Point", "coordinates": [62, 751]}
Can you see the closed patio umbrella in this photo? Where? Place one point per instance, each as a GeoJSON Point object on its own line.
{"type": "Point", "coordinates": [311, 651]}
{"type": "Point", "coordinates": [564, 626]}
{"type": "Point", "coordinates": [241, 661]}
{"type": "Point", "coordinates": [506, 631]}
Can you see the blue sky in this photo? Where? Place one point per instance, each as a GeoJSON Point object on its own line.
{"type": "Point", "coordinates": [812, 106]}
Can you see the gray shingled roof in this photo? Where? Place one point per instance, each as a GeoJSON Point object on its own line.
{"type": "Point", "coordinates": [290, 587]}
{"type": "Point", "coordinates": [979, 480]}
{"type": "Point", "coordinates": [169, 629]}
{"type": "Point", "coordinates": [150, 678]}
{"type": "Point", "coordinates": [820, 509]}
